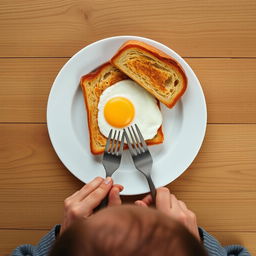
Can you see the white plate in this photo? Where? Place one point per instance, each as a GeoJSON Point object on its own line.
{"type": "Point", "coordinates": [184, 125]}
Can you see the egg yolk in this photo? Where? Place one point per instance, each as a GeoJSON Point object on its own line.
{"type": "Point", "coordinates": [119, 112]}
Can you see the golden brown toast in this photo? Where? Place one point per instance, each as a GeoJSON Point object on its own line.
{"type": "Point", "coordinates": [93, 84]}
{"type": "Point", "coordinates": [153, 69]}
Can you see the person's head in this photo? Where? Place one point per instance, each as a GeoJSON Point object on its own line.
{"type": "Point", "coordinates": [127, 231]}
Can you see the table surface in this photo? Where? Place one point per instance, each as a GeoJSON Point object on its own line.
{"type": "Point", "coordinates": [217, 38]}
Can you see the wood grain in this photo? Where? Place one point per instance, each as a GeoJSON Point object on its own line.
{"type": "Point", "coordinates": [10, 239]}
{"type": "Point", "coordinates": [25, 87]}
{"type": "Point", "coordinates": [38, 37]}
{"type": "Point", "coordinates": [229, 88]}
{"type": "Point", "coordinates": [247, 239]}
{"type": "Point", "coordinates": [215, 211]}
{"type": "Point", "coordinates": [192, 28]}
{"type": "Point", "coordinates": [228, 84]}
{"type": "Point", "coordinates": [226, 161]}
{"type": "Point", "coordinates": [219, 186]}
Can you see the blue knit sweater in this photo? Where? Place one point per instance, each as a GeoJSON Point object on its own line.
{"type": "Point", "coordinates": [212, 246]}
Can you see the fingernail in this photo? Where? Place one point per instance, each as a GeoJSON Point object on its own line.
{"type": "Point", "coordinates": [107, 180]}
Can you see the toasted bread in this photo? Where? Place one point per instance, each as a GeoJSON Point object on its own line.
{"type": "Point", "coordinates": [153, 69]}
{"type": "Point", "coordinates": [93, 84]}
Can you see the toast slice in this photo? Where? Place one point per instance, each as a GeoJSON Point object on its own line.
{"type": "Point", "coordinates": [93, 84]}
{"type": "Point", "coordinates": [153, 69]}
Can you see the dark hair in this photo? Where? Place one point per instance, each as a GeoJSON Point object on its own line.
{"type": "Point", "coordinates": [159, 236]}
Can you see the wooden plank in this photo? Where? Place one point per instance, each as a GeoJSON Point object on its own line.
{"type": "Point", "coordinates": [61, 28]}
{"type": "Point", "coordinates": [25, 86]}
{"type": "Point", "coordinates": [219, 186]}
{"type": "Point", "coordinates": [247, 239]}
{"type": "Point", "coordinates": [226, 161]}
{"type": "Point", "coordinates": [27, 208]}
{"type": "Point", "coordinates": [222, 211]}
{"type": "Point", "coordinates": [228, 84]}
{"type": "Point", "coordinates": [10, 239]}
{"type": "Point", "coordinates": [229, 88]}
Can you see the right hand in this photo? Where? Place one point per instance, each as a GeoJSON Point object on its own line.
{"type": "Point", "coordinates": [168, 204]}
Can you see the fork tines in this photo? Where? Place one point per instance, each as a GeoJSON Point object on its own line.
{"type": "Point", "coordinates": [114, 145]}
{"type": "Point", "coordinates": [138, 144]}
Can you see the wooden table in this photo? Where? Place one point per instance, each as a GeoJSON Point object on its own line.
{"type": "Point", "coordinates": [217, 38]}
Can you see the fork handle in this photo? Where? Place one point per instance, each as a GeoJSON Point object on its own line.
{"type": "Point", "coordinates": [152, 188]}
{"type": "Point", "coordinates": [103, 204]}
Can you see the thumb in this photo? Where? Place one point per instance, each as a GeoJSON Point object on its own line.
{"type": "Point", "coordinates": [114, 197]}
{"type": "Point", "coordinates": [140, 203]}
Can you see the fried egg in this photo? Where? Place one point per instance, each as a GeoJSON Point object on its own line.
{"type": "Point", "coordinates": [126, 103]}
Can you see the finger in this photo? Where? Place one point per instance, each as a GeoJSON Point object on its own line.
{"type": "Point", "coordinates": [163, 202]}
{"type": "Point", "coordinates": [73, 195]}
{"type": "Point", "coordinates": [120, 187]}
{"type": "Point", "coordinates": [114, 197]}
{"type": "Point", "coordinates": [140, 203]}
{"type": "Point", "coordinates": [147, 199]}
{"type": "Point", "coordinates": [182, 205]}
{"type": "Point", "coordinates": [87, 189]}
{"type": "Point", "coordinates": [175, 203]}
{"type": "Point", "coordinates": [95, 197]}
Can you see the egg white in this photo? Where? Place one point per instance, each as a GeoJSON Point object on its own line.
{"type": "Point", "coordinates": [147, 116]}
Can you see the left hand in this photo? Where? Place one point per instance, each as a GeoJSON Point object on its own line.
{"type": "Point", "coordinates": [168, 204]}
{"type": "Point", "coordinates": [82, 203]}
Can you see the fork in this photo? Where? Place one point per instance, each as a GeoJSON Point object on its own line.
{"type": "Point", "coordinates": [141, 156]}
{"type": "Point", "coordinates": [113, 152]}
{"type": "Point", "coordinates": [112, 158]}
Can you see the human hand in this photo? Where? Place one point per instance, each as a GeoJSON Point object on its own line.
{"type": "Point", "coordinates": [82, 203]}
{"type": "Point", "coordinates": [168, 204]}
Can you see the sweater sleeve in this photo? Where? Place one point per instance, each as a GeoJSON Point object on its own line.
{"type": "Point", "coordinates": [214, 248]}
{"type": "Point", "coordinates": [41, 249]}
